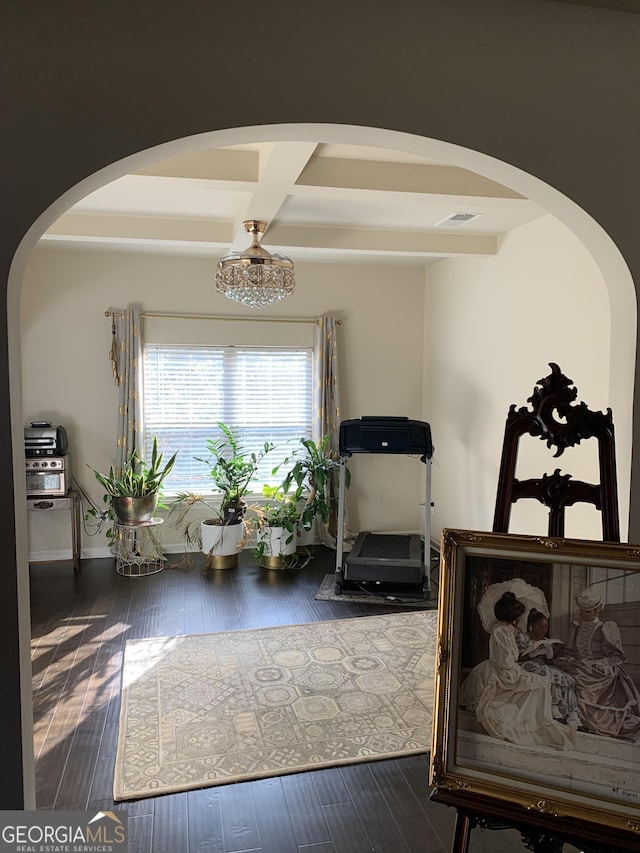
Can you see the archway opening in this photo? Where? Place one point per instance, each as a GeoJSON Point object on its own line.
{"type": "Point", "coordinates": [604, 253]}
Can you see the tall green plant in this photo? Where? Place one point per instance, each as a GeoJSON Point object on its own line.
{"type": "Point", "coordinates": [314, 470]}
{"type": "Point", "coordinates": [232, 468]}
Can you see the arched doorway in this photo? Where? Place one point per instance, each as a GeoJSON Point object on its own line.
{"type": "Point", "coordinates": [604, 252]}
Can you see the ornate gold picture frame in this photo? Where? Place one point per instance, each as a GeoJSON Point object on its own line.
{"type": "Point", "coordinates": [538, 702]}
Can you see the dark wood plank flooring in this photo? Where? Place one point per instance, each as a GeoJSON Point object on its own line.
{"type": "Point", "coordinates": [79, 627]}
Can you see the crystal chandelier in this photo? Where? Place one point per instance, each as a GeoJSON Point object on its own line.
{"type": "Point", "coordinates": [255, 277]}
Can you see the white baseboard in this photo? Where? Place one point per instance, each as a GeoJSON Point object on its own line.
{"type": "Point", "coordinates": [51, 556]}
{"type": "Point", "coordinates": [97, 553]}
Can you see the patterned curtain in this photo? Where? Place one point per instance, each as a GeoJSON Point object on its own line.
{"type": "Point", "coordinates": [126, 360]}
{"type": "Point", "coordinates": [326, 406]}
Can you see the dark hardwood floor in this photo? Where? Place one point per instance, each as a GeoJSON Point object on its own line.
{"type": "Point", "coordinates": [79, 627]}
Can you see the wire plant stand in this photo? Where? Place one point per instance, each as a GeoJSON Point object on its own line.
{"type": "Point", "coordinates": [138, 548]}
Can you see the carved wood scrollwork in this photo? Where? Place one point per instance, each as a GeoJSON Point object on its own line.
{"type": "Point", "coordinates": [555, 395]}
{"type": "Point", "coordinates": [557, 419]}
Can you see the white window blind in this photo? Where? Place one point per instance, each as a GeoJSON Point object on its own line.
{"type": "Point", "coordinates": [262, 393]}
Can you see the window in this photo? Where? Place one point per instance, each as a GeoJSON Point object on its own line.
{"type": "Point", "coordinates": [619, 587]}
{"type": "Point", "coordinates": [262, 393]}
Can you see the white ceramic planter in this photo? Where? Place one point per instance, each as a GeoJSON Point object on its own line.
{"type": "Point", "coordinates": [276, 548]}
{"type": "Point", "coordinates": [222, 543]}
{"type": "Point", "coordinates": [305, 538]}
{"type": "Point", "coordinates": [275, 539]}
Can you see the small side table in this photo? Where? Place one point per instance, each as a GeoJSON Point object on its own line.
{"type": "Point", "coordinates": [138, 548]}
{"type": "Point", "coordinates": [70, 502]}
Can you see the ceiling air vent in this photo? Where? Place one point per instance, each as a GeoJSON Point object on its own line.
{"type": "Point", "coordinates": [455, 220]}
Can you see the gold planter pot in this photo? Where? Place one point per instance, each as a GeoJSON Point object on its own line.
{"type": "Point", "coordinates": [277, 562]}
{"type": "Point", "coordinates": [226, 561]}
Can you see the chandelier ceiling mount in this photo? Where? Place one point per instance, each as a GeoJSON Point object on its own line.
{"type": "Point", "coordinates": [255, 277]}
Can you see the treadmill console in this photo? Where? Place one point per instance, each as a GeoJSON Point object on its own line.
{"type": "Point", "coordinates": [385, 435]}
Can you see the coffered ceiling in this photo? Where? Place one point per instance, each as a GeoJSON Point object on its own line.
{"type": "Point", "coordinates": [323, 202]}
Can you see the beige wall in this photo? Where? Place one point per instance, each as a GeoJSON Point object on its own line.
{"type": "Point", "coordinates": [457, 373]}
{"type": "Point", "coordinates": [67, 375]}
{"type": "Point", "coordinates": [494, 326]}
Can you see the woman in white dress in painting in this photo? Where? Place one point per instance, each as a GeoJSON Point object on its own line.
{"type": "Point", "coordinates": [509, 702]}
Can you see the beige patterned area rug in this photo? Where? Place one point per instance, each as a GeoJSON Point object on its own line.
{"type": "Point", "coordinates": [211, 709]}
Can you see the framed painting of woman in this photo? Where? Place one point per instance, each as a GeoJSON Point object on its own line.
{"type": "Point", "coordinates": [538, 677]}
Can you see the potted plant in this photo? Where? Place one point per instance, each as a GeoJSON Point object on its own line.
{"type": "Point", "coordinates": [276, 522]}
{"type": "Point", "coordinates": [133, 493]}
{"type": "Point", "coordinates": [314, 470]}
{"type": "Point", "coordinates": [232, 469]}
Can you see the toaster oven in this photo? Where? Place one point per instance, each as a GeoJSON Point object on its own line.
{"type": "Point", "coordinates": [48, 476]}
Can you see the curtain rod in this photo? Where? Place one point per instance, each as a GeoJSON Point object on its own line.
{"type": "Point", "coordinates": [120, 313]}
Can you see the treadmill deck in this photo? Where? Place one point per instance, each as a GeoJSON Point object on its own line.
{"type": "Point", "coordinates": [385, 558]}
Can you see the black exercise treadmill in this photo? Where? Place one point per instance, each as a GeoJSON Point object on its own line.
{"type": "Point", "coordinates": [396, 564]}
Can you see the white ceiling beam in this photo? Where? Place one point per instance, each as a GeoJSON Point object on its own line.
{"type": "Point", "coordinates": [215, 235]}
{"type": "Point", "coordinates": [280, 167]}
